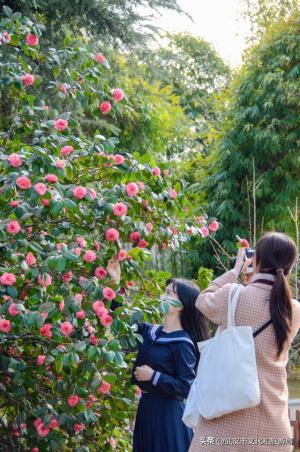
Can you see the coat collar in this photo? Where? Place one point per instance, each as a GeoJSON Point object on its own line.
{"type": "Point", "coordinates": [155, 333]}
{"type": "Point", "coordinates": [266, 276]}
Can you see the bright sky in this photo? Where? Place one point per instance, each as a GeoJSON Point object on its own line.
{"type": "Point", "coordinates": [217, 21]}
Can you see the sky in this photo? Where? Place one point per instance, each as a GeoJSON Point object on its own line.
{"type": "Point", "coordinates": [219, 22]}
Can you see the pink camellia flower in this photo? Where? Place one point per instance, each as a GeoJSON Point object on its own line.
{"type": "Point", "coordinates": [112, 442]}
{"type": "Point", "coordinates": [13, 227]}
{"type": "Point", "coordinates": [120, 209]}
{"type": "Point", "coordinates": [15, 160]}
{"type": "Point", "coordinates": [30, 259]}
{"type": "Point", "coordinates": [149, 227]}
{"type": "Point", "coordinates": [105, 107]}
{"type": "Point", "coordinates": [12, 310]}
{"type": "Point", "coordinates": [66, 150]}
{"type": "Point", "coordinates": [46, 202]}
{"type": "Point", "coordinates": [104, 388]}
{"type": "Point", "coordinates": [141, 186]}
{"type": "Point", "coordinates": [28, 79]}
{"type": "Point", "coordinates": [54, 423]}
{"type": "Point", "coordinates": [51, 178]}
{"type": "Point", "coordinates": [79, 192]}
{"type": "Point", "coordinates": [80, 315]}
{"type": "Point", "coordinates": [204, 231]}
{"type": "Point", "coordinates": [111, 234]}
{"type": "Point", "coordinates": [6, 37]}
{"type": "Point", "coordinates": [67, 277]}
{"type": "Point", "coordinates": [78, 251]}
{"type": "Point", "coordinates": [142, 243]}
{"type": "Point", "coordinates": [99, 308]}
{"type": "Point", "coordinates": [32, 40]}
{"type": "Point", "coordinates": [14, 203]}
{"type": "Point", "coordinates": [109, 293]}
{"type": "Point", "coordinates": [135, 236]}
{"type": "Point", "coordinates": [118, 94]}
{"type": "Point", "coordinates": [93, 341]}
{"type": "Point", "coordinates": [63, 88]}
{"type": "Point", "coordinates": [23, 426]}
{"type": "Point", "coordinates": [119, 159]}
{"type": "Point", "coordinates": [106, 320]}
{"type": "Point", "coordinates": [100, 58]}
{"type": "Point", "coordinates": [47, 280]}
{"type": "Point", "coordinates": [132, 189]}
{"type": "Point", "coordinates": [42, 430]}
{"type": "Point", "coordinates": [81, 242]}
{"type": "Point", "coordinates": [78, 427]}
{"type": "Point", "coordinates": [7, 279]}
{"type": "Point", "coordinates": [40, 360]}
{"type": "Point", "coordinates": [173, 193]}
{"type": "Point", "coordinates": [60, 164]}
{"type": "Point", "coordinates": [122, 254]}
{"type": "Point", "coordinates": [97, 246]}
{"type": "Point", "coordinates": [66, 328]}
{"type": "Point", "coordinates": [61, 124]}
{"type": "Point", "coordinates": [73, 400]}
{"type": "Point", "coordinates": [100, 272]}
{"type": "Point", "coordinates": [156, 171]}
{"type": "Point", "coordinates": [214, 226]}
{"type": "Point", "coordinates": [90, 256]}
{"type": "Point", "coordinates": [5, 326]}
{"type": "Point", "coordinates": [40, 188]}
{"type": "Point", "coordinates": [138, 391]}
{"type": "Point", "coordinates": [35, 449]}
{"type": "Point", "coordinates": [45, 330]}
{"type": "Point", "coordinates": [92, 193]}
{"type": "Point", "coordinates": [23, 182]}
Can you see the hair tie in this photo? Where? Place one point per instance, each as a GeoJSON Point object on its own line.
{"type": "Point", "coordinates": [279, 270]}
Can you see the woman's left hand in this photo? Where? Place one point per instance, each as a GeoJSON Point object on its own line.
{"type": "Point", "coordinates": [143, 373]}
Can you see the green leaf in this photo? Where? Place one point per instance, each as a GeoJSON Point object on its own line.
{"type": "Point", "coordinates": [58, 363]}
{"type": "Point", "coordinates": [7, 11]}
{"type": "Point", "coordinates": [12, 292]}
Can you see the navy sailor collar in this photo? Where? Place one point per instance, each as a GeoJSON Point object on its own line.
{"type": "Point", "coordinates": [157, 335]}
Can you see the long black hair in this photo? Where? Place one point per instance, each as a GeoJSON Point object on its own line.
{"type": "Point", "coordinates": [276, 253]}
{"type": "Point", "coordinates": [192, 320]}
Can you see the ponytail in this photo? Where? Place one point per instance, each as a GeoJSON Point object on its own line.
{"type": "Point", "coordinates": [276, 253]}
{"type": "Point", "coordinates": [281, 309]}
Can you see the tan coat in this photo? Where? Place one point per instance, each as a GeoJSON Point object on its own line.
{"type": "Point", "coordinates": [270, 418]}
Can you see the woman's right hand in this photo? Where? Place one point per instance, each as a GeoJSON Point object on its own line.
{"type": "Point", "coordinates": [114, 270]}
{"type": "Point", "coordinates": [242, 262]}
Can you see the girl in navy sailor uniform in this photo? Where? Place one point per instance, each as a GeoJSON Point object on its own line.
{"type": "Point", "coordinates": [165, 368]}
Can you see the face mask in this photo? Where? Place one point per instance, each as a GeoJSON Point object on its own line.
{"type": "Point", "coordinates": [170, 300]}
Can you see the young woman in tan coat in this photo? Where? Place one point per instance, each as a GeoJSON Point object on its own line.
{"type": "Point", "coordinates": [265, 427]}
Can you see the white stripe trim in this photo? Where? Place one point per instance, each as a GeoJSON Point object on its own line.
{"type": "Point", "coordinates": [175, 339]}
{"type": "Point", "coordinates": [153, 331]}
{"type": "Point", "coordinates": [156, 378]}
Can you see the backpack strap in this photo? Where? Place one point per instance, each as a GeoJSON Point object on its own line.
{"type": "Point", "coordinates": [261, 328]}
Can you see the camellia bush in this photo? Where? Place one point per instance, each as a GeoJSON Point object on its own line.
{"type": "Point", "coordinates": [70, 202]}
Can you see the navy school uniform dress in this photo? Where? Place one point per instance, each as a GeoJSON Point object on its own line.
{"type": "Point", "coordinates": [158, 425]}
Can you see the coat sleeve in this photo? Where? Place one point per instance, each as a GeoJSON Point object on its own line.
{"type": "Point", "coordinates": [213, 301]}
{"type": "Point", "coordinates": [185, 363]}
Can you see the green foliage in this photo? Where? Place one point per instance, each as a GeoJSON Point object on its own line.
{"type": "Point", "coordinates": [261, 126]}
{"type": "Point", "coordinates": [196, 74]}
{"type": "Point", "coordinates": [117, 21]}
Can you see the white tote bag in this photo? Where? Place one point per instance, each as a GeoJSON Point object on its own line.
{"type": "Point", "coordinates": [227, 378]}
